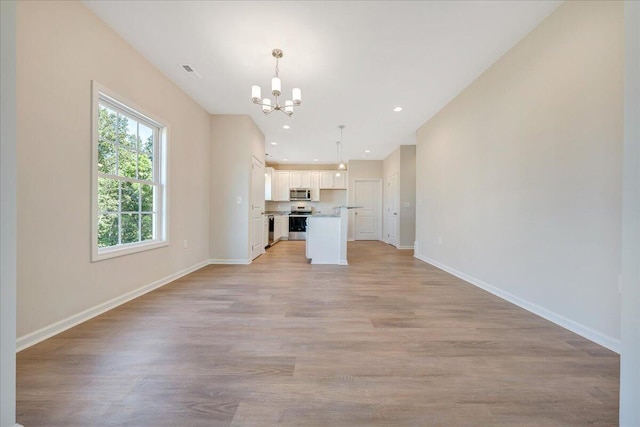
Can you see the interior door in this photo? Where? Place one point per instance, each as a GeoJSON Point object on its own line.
{"type": "Point", "coordinates": [392, 210]}
{"type": "Point", "coordinates": [368, 194]}
{"type": "Point", "coordinates": [257, 208]}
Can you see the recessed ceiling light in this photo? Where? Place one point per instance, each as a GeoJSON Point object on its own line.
{"type": "Point", "coordinates": [367, 151]}
{"type": "Point", "coordinates": [285, 160]}
{"type": "Point", "coordinates": [286, 127]}
{"type": "Point", "coordinates": [397, 109]}
{"type": "Point", "coordinates": [315, 160]}
{"type": "Point", "coordinates": [274, 143]}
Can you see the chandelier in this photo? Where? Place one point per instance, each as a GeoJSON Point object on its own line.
{"type": "Point", "coordinates": [276, 90]}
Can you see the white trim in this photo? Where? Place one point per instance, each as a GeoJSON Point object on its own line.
{"type": "Point", "coordinates": [351, 239]}
{"type": "Point", "coordinates": [230, 261]}
{"type": "Point", "coordinates": [42, 334]}
{"type": "Point", "coordinates": [404, 247]}
{"type": "Point", "coordinates": [18, 425]}
{"type": "Point", "coordinates": [8, 212]}
{"type": "Point", "coordinates": [584, 331]}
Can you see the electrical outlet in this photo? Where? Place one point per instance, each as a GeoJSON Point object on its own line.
{"type": "Point", "coordinates": [185, 243]}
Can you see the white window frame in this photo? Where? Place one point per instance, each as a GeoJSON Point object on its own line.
{"type": "Point", "coordinates": [107, 96]}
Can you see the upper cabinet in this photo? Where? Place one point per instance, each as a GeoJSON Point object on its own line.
{"type": "Point", "coordinates": [278, 183]}
{"type": "Point", "coordinates": [300, 179]}
{"type": "Point", "coordinates": [340, 181]}
{"type": "Point", "coordinates": [329, 180]}
{"type": "Point", "coordinates": [282, 186]}
{"type": "Point", "coordinates": [268, 183]}
{"type": "Point", "coordinates": [315, 186]}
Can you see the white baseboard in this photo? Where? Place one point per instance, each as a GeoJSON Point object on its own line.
{"type": "Point", "coordinates": [584, 331]}
{"type": "Point", "coordinates": [404, 247]}
{"type": "Point", "coordinates": [351, 239]}
{"type": "Point", "coordinates": [230, 261]}
{"type": "Point", "coordinates": [42, 334]}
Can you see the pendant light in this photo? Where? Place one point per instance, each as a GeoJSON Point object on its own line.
{"type": "Point", "coordinates": [338, 157]}
{"type": "Point", "coordinates": [341, 165]}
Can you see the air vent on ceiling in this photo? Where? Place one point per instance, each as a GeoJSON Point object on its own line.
{"type": "Point", "coordinates": [190, 71]}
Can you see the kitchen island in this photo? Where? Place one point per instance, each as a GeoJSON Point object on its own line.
{"type": "Point", "coordinates": [327, 237]}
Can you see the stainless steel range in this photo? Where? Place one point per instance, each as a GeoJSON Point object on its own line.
{"type": "Point", "coordinates": [298, 222]}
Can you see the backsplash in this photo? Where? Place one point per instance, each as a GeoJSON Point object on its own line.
{"type": "Point", "coordinates": [328, 200]}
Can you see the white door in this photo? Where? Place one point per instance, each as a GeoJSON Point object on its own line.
{"type": "Point", "coordinates": [368, 194]}
{"type": "Point", "coordinates": [392, 210]}
{"type": "Point", "coordinates": [257, 208]}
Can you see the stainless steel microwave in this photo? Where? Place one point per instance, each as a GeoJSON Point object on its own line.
{"type": "Point", "coordinates": [300, 194]}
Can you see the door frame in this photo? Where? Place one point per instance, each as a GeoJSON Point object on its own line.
{"type": "Point", "coordinates": [256, 205]}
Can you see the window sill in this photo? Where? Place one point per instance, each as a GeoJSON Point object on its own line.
{"type": "Point", "coordinates": [132, 248]}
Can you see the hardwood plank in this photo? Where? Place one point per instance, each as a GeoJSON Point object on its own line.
{"type": "Point", "coordinates": [386, 341]}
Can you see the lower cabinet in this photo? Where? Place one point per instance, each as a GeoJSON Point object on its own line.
{"type": "Point", "coordinates": [265, 233]}
{"type": "Point", "coordinates": [285, 228]}
{"type": "Point", "coordinates": [277, 228]}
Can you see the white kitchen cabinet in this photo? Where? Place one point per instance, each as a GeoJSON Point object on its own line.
{"type": "Point", "coordinates": [340, 181]}
{"type": "Point", "coordinates": [329, 180]}
{"type": "Point", "coordinates": [315, 186]}
{"type": "Point", "coordinates": [277, 228]}
{"type": "Point", "coordinates": [268, 183]}
{"type": "Point", "coordinates": [282, 186]}
{"type": "Point", "coordinates": [285, 228]}
{"type": "Point", "coordinates": [300, 179]}
{"type": "Point", "coordinates": [326, 179]}
{"type": "Point", "coordinates": [265, 233]}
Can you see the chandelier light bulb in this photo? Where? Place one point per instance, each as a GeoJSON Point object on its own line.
{"type": "Point", "coordinates": [296, 95]}
{"type": "Point", "coordinates": [266, 105]}
{"type": "Point", "coordinates": [288, 107]}
{"type": "Point", "coordinates": [276, 86]}
{"type": "Point", "coordinates": [256, 94]}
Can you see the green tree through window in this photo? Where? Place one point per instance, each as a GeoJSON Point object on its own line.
{"type": "Point", "coordinates": [128, 183]}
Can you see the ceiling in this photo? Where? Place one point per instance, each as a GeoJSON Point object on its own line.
{"type": "Point", "coordinates": [354, 61]}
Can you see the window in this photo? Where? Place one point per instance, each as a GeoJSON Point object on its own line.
{"type": "Point", "coordinates": [129, 203]}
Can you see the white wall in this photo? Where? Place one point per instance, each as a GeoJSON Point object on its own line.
{"type": "Point", "coordinates": [520, 175]}
{"type": "Point", "coordinates": [7, 213]}
{"type": "Point", "coordinates": [630, 325]}
{"type": "Point", "coordinates": [61, 48]}
{"type": "Point", "coordinates": [234, 140]}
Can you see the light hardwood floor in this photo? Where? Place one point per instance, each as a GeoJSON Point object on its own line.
{"type": "Point", "coordinates": [387, 341]}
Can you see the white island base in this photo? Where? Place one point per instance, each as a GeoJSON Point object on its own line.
{"type": "Point", "coordinates": [327, 238]}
